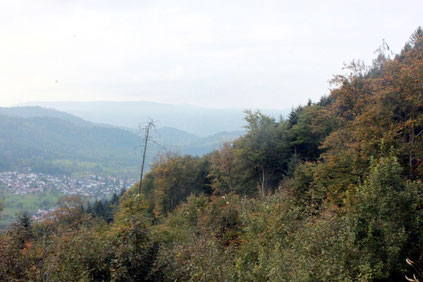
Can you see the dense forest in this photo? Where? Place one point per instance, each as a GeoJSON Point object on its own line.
{"type": "Point", "coordinates": [332, 192]}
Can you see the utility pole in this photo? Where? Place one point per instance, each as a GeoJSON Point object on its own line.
{"type": "Point", "coordinates": [146, 129]}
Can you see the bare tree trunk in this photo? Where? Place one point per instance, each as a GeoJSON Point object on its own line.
{"type": "Point", "coordinates": [147, 133]}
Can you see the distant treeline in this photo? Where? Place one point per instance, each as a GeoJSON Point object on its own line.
{"type": "Point", "coordinates": [333, 192]}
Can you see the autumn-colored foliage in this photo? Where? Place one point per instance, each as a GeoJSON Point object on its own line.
{"type": "Point", "coordinates": [333, 192]}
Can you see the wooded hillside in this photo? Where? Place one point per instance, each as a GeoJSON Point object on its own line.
{"type": "Point", "coordinates": [333, 192]}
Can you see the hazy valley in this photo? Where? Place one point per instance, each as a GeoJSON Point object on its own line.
{"type": "Point", "coordinates": [211, 141]}
{"type": "Point", "coordinates": [51, 142]}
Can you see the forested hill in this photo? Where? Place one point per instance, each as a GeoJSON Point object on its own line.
{"type": "Point", "coordinates": [55, 142]}
{"type": "Point", "coordinates": [332, 193]}
{"type": "Point", "coordinates": [36, 111]}
{"type": "Point", "coordinates": [196, 120]}
{"type": "Point", "coordinates": [57, 145]}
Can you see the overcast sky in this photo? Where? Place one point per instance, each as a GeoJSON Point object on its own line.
{"type": "Point", "coordinates": [243, 54]}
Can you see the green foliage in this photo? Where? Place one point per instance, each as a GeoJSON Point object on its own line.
{"type": "Point", "coordinates": [77, 255]}
{"type": "Point", "coordinates": [134, 252]}
{"type": "Point", "coordinates": [341, 199]}
{"type": "Point", "coordinates": [172, 179]}
{"type": "Point", "coordinates": [302, 185]}
{"type": "Point", "coordinates": [293, 246]}
{"type": "Point", "coordinates": [383, 215]}
{"type": "Point", "coordinates": [199, 239]}
{"type": "Point", "coordinates": [50, 144]}
{"type": "Point", "coordinates": [303, 139]}
{"type": "Point", "coordinates": [223, 169]}
{"type": "Point", "coordinates": [261, 153]}
{"type": "Point", "coordinates": [105, 208]}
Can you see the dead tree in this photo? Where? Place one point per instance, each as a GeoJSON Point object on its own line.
{"type": "Point", "coordinates": [147, 138]}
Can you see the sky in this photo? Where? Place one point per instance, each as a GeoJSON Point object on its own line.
{"type": "Point", "coordinates": [219, 54]}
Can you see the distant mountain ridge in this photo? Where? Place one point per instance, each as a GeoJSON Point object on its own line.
{"type": "Point", "coordinates": [37, 111]}
{"type": "Point", "coordinates": [51, 144]}
{"type": "Point", "coordinates": [167, 136]}
{"type": "Point", "coordinates": [50, 140]}
{"type": "Point", "coordinates": [196, 120]}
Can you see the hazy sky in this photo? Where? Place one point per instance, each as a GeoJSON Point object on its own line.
{"type": "Point", "coordinates": [244, 54]}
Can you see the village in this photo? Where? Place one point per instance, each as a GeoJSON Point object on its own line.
{"type": "Point", "coordinates": [93, 186]}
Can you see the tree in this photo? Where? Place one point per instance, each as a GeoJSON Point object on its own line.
{"type": "Point", "coordinates": [23, 229]}
{"type": "Point", "coordinates": [373, 112]}
{"type": "Point", "coordinates": [147, 138]}
{"type": "Point", "coordinates": [261, 152]}
{"type": "Point", "coordinates": [134, 249]}
{"type": "Point", "coordinates": [222, 169]}
{"type": "Point", "coordinates": [303, 138]}
{"type": "Point", "coordinates": [173, 178]}
{"type": "Point", "coordinates": [385, 217]}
